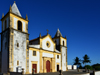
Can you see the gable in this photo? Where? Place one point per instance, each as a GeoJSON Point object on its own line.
{"type": "Point", "coordinates": [48, 44]}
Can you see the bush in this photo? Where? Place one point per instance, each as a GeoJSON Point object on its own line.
{"type": "Point", "coordinates": [89, 67]}
{"type": "Point", "coordinates": [96, 66]}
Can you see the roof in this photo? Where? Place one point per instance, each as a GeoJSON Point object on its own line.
{"type": "Point", "coordinates": [37, 38]}
{"type": "Point", "coordinates": [58, 33]}
{"type": "Point", "coordinates": [15, 9]}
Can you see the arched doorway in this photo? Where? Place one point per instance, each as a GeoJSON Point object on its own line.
{"type": "Point", "coordinates": [48, 66]}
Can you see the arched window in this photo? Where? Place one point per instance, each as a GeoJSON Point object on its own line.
{"type": "Point", "coordinates": [63, 43]}
{"type": "Point", "coordinates": [19, 25]}
{"type": "Point", "coordinates": [5, 24]}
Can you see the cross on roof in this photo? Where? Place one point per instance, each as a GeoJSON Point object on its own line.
{"type": "Point", "coordinates": [47, 31]}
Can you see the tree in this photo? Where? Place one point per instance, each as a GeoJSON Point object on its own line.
{"type": "Point", "coordinates": [80, 67]}
{"type": "Point", "coordinates": [86, 59]}
{"type": "Point", "coordinates": [88, 67]}
{"type": "Point", "coordinates": [77, 61]}
{"type": "Point", "coordinates": [96, 66]}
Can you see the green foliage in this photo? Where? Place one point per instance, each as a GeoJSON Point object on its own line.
{"type": "Point", "coordinates": [80, 67]}
{"type": "Point", "coordinates": [86, 59]}
{"type": "Point", "coordinates": [96, 66]}
{"type": "Point", "coordinates": [88, 67]}
{"type": "Point", "coordinates": [77, 61]}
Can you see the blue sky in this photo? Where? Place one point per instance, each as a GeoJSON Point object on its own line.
{"type": "Point", "coordinates": [79, 20]}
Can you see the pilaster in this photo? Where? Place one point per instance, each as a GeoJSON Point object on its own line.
{"type": "Point", "coordinates": [53, 65]}
{"type": "Point", "coordinates": [11, 57]}
{"type": "Point", "coordinates": [41, 71]}
{"type": "Point", "coordinates": [44, 65]}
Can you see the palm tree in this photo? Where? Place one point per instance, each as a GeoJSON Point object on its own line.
{"type": "Point", "coordinates": [86, 59]}
{"type": "Point", "coordinates": [77, 61]}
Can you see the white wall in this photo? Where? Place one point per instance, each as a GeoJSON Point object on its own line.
{"type": "Point", "coordinates": [19, 52]}
{"type": "Point", "coordinates": [44, 46]}
{"type": "Point", "coordinates": [47, 55]}
{"type": "Point", "coordinates": [63, 58]}
{"type": "Point", "coordinates": [83, 74]}
{"type": "Point", "coordinates": [15, 23]}
{"type": "Point", "coordinates": [34, 58]}
{"type": "Point", "coordinates": [69, 67]}
{"type": "Point", "coordinates": [62, 42]}
{"type": "Point", "coordinates": [23, 26]}
{"type": "Point", "coordinates": [57, 61]}
{"type": "Point", "coordinates": [36, 46]}
{"type": "Point", "coordinates": [97, 72]}
{"type": "Point", "coordinates": [74, 67]}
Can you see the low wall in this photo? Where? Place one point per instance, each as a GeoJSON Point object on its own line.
{"type": "Point", "coordinates": [74, 67]}
{"type": "Point", "coordinates": [69, 67]}
{"type": "Point", "coordinates": [97, 72]}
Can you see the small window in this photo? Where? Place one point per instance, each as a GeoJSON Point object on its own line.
{"type": "Point", "coordinates": [5, 24]}
{"type": "Point", "coordinates": [57, 56]}
{"type": "Point", "coordinates": [63, 43]}
{"type": "Point", "coordinates": [17, 44]}
{"type": "Point", "coordinates": [17, 62]}
{"type": "Point", "coordinates": [34, 53]}
{"type": "Point", "coordinates": [19, 25]}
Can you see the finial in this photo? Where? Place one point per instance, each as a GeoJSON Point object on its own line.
{"type": "Point", "coordinates": [2, 15]}
{"type": "Point", "coordinates": [14, 1]}
{"type": "Point", "coordinates": [40, 35]}
{"type": "Point", "coordinates": [58, 29]}
{"type": "Point", "coordinates": [10, 10]}
{"type": "Point", "coordinates": [26, 17]}
{"type": "Point", "coordinates": [47, 31]}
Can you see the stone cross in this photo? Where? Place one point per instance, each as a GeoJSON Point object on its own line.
{"type": "Point", "coordinates": [47, 31]}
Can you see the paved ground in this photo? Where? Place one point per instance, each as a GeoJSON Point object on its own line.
{"type": "Point", "coordinates": [70, 72]}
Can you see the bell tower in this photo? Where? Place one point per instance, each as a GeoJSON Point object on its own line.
{"type": "Point", "coordinates": [61, 45]}
{"type": "Point", "coordinates": [14, 41]}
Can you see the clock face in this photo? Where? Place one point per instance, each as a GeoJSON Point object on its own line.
{"type": "Point", "coordinates": [48, 44]}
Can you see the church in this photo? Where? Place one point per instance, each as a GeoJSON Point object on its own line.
{"type": "Point", "coordinates": [44, 54]}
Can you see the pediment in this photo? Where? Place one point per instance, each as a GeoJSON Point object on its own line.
{"type": "Point", "coordinates": [48, 43]}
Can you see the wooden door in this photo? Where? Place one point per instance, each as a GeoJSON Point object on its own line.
{"type": "Point", "coordinates": [48, 65]}
{"type": "Point", "coordinates": [57, 67]}
{"type": "Point", "coordinates": [34, 66]}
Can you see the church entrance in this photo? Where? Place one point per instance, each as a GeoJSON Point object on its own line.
{"type": "Point", "coordinates": [57, 67]}
{"type": "Point", "coordinates": [48, 66]}
{"type": "Point", "coordinates": [34, 66]}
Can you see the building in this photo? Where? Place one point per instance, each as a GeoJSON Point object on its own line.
{"type": "Point", "coordinates": [45, 54]}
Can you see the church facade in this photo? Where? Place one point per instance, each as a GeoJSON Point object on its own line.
{"type": "Point", "coordinates": [44, 54]}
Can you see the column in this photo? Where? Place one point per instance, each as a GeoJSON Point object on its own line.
{"type": "Point", "coordinates": [53, 65]}
{"type": "Point", "coordinates": [44, 65]}
{"type": "Point", "coordinates": [41, 71]}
